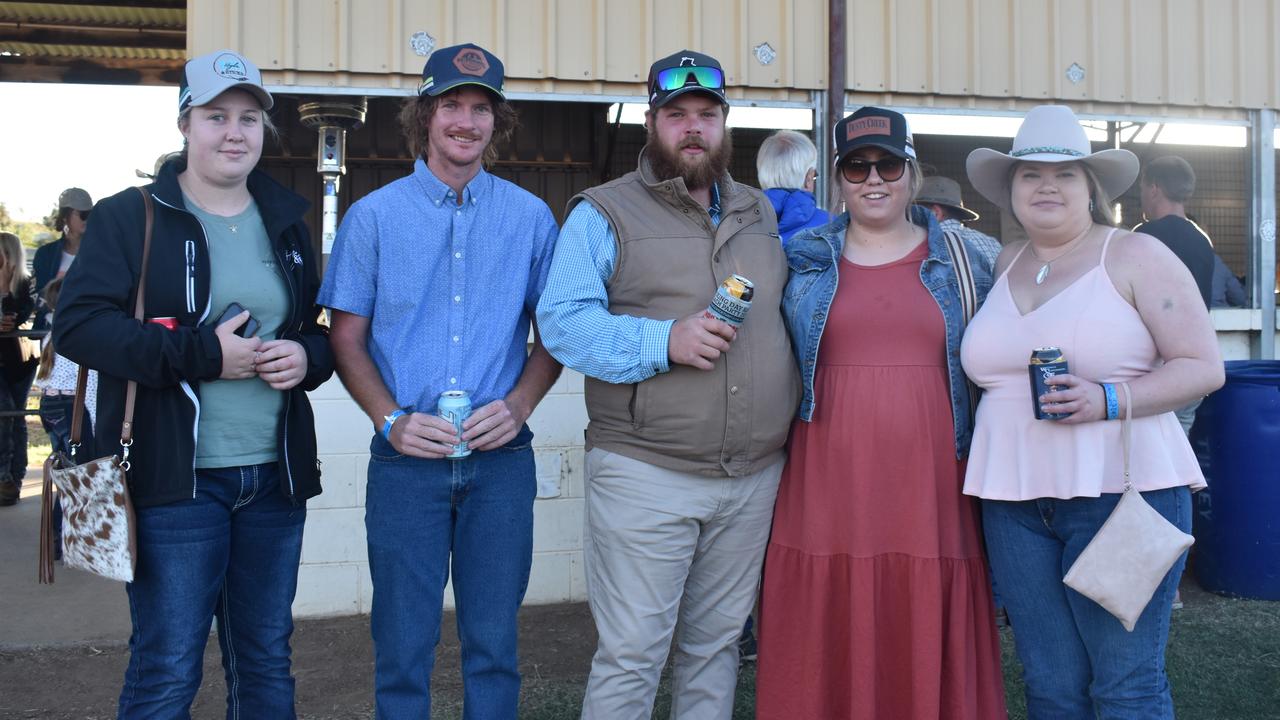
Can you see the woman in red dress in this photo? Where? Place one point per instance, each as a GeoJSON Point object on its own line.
{"type": "Point", "coordinates": [876, 602]}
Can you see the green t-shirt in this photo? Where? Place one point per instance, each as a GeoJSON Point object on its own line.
{"type": "Point", "coordinates": [238, 418]}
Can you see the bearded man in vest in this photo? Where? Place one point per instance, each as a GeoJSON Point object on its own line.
{"type": "Point", "coordinates": [688, 416]}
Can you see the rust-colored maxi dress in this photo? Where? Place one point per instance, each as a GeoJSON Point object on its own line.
{"type": "Point", "coordinates": [876, 603]}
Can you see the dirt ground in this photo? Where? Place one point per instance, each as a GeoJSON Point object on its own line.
{"type": "Point", "coordinates": [332, 661]}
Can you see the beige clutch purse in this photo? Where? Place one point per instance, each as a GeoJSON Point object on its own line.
{"type": "Point", "coordinates": [1127, 560]}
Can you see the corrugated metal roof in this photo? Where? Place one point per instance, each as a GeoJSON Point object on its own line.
{"type": "Point", "coordinates": [100, 52]}
{"type": "Point", "coordinates": [95, 15]}
{"type": "Point", "coordinates": [117, 41]}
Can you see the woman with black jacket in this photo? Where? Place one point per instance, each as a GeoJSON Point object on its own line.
{"type": "Point", "coordinates": [17, 365]}
{"type": "Point", "coordinates": [224, 452]}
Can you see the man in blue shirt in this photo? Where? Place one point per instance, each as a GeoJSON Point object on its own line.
{"type": "Point", "coordinates": [433, 284]}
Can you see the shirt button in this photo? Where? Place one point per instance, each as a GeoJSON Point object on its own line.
{"type": "Point", "coordinates": [455, 338]}
{"type": "Point", "coordinates": [457, 298]}
{"type": "Point", "coordinates": [457, 255]}
{"type": "Point", "coordinates": [733, 390]}
{"type": "Point", "coordinates": [453, 381]}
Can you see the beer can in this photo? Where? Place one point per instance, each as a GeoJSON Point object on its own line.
{"type": "Point", "coordinates": [1045, 363]}
{"type": "Point", "coordinates": [167, 322]}
{"type": "Point", "coordinates": [455, 407]}
{"type": "Point", "coordinates": [731, 301]}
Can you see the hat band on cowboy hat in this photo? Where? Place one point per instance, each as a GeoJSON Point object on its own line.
{"type": "Point", "coordinates": [1049, 134]}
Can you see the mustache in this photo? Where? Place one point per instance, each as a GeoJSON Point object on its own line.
{"type": "Point", "coordinates": [695, 142]}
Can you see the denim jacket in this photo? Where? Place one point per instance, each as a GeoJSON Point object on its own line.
{"type": "Point", "coordinates": [813, 256]}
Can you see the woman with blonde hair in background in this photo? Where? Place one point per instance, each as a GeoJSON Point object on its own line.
{"type": "Point", "coordinates": [18, 359]}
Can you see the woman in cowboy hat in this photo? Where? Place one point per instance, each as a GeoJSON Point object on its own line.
{"type": "Point", "coordinates": [876, 602]}
{"type": "Point", "coordinates": [1122, 309]}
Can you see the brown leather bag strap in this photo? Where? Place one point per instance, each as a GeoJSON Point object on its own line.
{"type": "Point", "coordinates": [77, 408]}
{"type": "Point", "coordinates": [139, 313]}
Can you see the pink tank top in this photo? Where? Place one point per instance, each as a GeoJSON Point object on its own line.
{"type": "Point", "coordinates": [1016, 457]}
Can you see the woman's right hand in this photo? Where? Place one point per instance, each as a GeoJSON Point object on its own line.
{"type": "Point", "coordinates": [238, 353]}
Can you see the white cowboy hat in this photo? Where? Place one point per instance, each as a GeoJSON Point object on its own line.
{"type": "Point", "coordinates": [1049, 134]}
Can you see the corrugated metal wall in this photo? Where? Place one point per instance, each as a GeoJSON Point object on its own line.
{"type": "Point", "coordinates": [1131, 54]}
{"type": "Point", "coordinates": [1136, 55]}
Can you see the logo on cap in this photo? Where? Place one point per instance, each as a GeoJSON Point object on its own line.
{"type": "Point", "coordinates": [867, 126]}
{"type": "Point", "coordinates": [687, 61]}
{"type": "Point", "coordinates": [471, 61]}
{"type": "Point", "coordinates": [230, 66]}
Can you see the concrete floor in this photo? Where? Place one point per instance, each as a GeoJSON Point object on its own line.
{"type": "Point", "coordinates": [78, 608]}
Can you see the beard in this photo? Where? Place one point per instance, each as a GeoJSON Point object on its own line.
{"type": "Point", "coordinates": [699, 172]}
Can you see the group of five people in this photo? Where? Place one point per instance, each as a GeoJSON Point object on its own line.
{"type": "Point", "coordinates": [876, 596]}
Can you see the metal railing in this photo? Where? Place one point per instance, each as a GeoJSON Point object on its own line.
{"type": "Point", "coordinates": [36, 335]}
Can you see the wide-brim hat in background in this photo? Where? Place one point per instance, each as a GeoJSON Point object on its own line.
{"type": "Point", "coordinates": [874, 127]}
{"type": "Point", "coordinates": [208, 76]}
{"type": "Point", "coordinates": [938, 190]}
{"type": "Point", "coordinates": [1049, 134]}
{"type": "Point", "coordinates": [458, 65]}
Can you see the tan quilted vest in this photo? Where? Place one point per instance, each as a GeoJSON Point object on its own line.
{"type": "Point", "coordinates": [731, 420]}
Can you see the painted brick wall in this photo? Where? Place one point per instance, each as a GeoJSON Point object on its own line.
{"type": "Point", "coordinates": [334, 577]}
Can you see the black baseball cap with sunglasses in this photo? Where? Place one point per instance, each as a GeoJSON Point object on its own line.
{"type": "Point", "coordinates": [879, 128]}
{"type": "Point", "coordinates": [682, 72]}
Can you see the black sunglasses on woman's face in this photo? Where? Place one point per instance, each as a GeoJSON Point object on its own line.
{"type": "Point", "coordinates": [889, 168]}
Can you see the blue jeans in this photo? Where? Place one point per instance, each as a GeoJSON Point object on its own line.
{"type": "Point", "coordinates": [232, 553]}
{"type": "Point", "coordinates": [13, 430]}
{"type": "Point", "coordinates": [424, 518]}
{"type": "Point", "coordinates": [1078, 661]}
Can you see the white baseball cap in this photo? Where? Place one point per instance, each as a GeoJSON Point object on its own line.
{"type": "Point", "coordinates": [208, 76]}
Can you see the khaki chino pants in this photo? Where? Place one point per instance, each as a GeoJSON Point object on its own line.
{"type": "Point", "coordinates": [670, 555]}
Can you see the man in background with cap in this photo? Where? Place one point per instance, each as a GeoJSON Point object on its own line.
{"type": "Point", "coordinates": [941, 196]}
{"type": "Point", "coordinates": [53, 259]}
{"type": "Point", "coordinates": [688, 416]}
{"type": "Point", "coordinates": [1167, 183]}
{"type": "Point", "coordinates": [433, 283]}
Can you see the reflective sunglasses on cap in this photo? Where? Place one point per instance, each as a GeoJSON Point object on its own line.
{"type": "Point", "coordinates": [889, 168]}
{"type": "Point", "coordinates": [677, 77]}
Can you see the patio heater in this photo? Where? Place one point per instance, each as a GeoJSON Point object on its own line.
{"type": "Point", "coordinates": [332, 118]}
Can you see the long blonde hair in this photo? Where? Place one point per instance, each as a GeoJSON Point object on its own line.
{"type": "Point", "coordinates": [15, 262]}
{"type": "Point", "coordinates": [50, 294]}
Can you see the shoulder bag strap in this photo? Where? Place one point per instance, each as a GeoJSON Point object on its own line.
{"type": "Point", "coordinates": [1124, 431]}
{"type": "Point", "coordinates": [131, 391]}
{"type": "Point", "coordinates": [964, 274]}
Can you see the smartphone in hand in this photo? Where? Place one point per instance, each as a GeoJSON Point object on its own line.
{"type": "Point", "coordinates": [250, 326]}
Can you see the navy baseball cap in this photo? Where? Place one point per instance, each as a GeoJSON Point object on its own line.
{"type": "Point", "coordinates": [456, 65]}
{"type": "Point", "coordinates": [685, 71]}
{"type": "Point", "coordinates": [874, 127]}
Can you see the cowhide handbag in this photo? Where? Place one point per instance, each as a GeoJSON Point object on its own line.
{"type": "Point", "coordinates": [98, 524]}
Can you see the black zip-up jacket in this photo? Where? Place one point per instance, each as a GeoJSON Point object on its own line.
{"type": "Point", "coordinates": [94, 326]}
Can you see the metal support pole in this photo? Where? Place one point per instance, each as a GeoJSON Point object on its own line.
{"type": "Point", "coordinates": [1262, 225]}
{"type": "Point", "coordinates": [822, 139]}
{"type": "Point", "coordinates": [836, 58]}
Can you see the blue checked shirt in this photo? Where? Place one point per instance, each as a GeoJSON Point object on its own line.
{"type": "Point", "coordinates": [450, 289]}
{"type": "Point", "coordinates": [985, 244]}
{"type": "Point", "coordinates": [573, 315]}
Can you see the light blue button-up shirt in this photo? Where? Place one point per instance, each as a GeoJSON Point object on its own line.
{"type": "Point", "coordinates": [450, 288]}
{"type": "Point", "coordinates": [573, 315]}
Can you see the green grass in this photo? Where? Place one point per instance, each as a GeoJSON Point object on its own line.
{"type": "Point", "coordinates": [1223, 663]}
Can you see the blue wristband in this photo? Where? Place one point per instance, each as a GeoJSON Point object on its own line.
{"type": "Point", "coordinates": [390, 422]}
{"type": "Point", "coordinates": [1113, 404]}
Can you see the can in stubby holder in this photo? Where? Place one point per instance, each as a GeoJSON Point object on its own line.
{"type": "Point", "coordinates": [1045, 363]}
{"type": "Point", "coordinates": [731, 301]}
{"type": "Point", "coordinates": [455, 407]}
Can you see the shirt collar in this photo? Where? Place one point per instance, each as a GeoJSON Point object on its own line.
{"type": "Point", "coordinates": [439, 193]}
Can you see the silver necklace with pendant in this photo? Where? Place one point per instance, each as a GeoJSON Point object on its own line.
{"type": "Point", "coordinates": [1043, 273]}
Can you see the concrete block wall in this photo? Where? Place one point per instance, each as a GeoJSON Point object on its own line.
{"type": "Point", "coordinates": [334, 576]}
